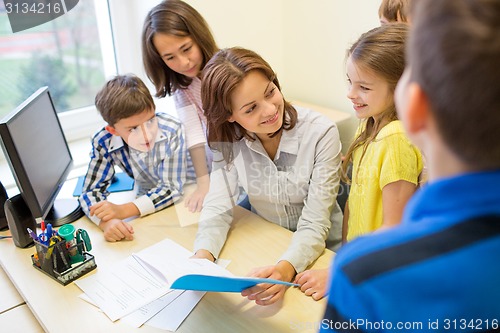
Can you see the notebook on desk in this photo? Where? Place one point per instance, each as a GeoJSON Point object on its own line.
{"type": "Point", "coordinates": [153, 273]}
{"type": "Point", "coordinates": [121, 182]}
{"type": "Point", "coordinates": [233, 284]}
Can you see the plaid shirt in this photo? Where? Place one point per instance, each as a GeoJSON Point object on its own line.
{"type": "Point", "coordinates": [159, 174]}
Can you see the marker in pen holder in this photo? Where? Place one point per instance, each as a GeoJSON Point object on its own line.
{"type": "Point", "coordinates": [75, 249]}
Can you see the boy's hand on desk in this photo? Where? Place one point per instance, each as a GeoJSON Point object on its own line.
{"type": "Point", "coordinates": [107, 211]}
{"type": "Point", "coordinates": [266, 294]}
{"type": "Point", "coordinates": [116, 230]}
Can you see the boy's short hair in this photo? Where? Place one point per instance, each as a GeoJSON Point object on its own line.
{"type": "Point", "coordinates": [456, 64]}
{"type": "Point", "coordinates": [123, 96]}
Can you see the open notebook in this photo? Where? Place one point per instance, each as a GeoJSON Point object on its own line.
{"type": "Point", "coordinates": [182, 272]}
{"type": "Point", "coordinates": [154, 272]}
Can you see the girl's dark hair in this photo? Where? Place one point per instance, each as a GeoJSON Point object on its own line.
{"type": "Point", "coordinates": [222, 74]}
{"type": "Point", "coordinates": [177, 18]}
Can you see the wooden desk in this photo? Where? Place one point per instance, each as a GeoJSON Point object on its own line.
{"type": "Point", "coordinates": [252, 242]}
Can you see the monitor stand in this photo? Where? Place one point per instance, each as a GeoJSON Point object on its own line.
{"type": "Point", "coordinates": [64, 211]}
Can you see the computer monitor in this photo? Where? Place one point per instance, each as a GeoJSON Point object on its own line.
{"type": "Point", "coordinates": [39, 157]}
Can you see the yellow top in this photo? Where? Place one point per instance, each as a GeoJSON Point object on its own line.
{"type": "Point", "coordinates": [388, 158]}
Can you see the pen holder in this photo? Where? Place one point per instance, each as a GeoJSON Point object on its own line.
{"type": "Point", "coordinates": [62, 261]}
{"type": "Point", "coordinates": [48, 257]}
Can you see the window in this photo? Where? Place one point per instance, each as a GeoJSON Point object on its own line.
{"type": "Point", "coordinates": [72, 55]}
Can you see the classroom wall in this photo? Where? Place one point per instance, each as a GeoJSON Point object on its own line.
{"type": "Point", "coordinates": [304, 41]}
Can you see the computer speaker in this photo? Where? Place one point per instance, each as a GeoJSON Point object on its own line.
{"type": "Point", "coordinates": [3, 198]}
{"type": "Point", "coordinates": [19, 219]}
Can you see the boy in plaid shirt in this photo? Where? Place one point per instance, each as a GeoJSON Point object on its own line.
{"type": "Point", "coordinates": [149, 147]}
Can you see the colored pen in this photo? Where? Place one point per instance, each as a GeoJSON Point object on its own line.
{"type": "Point", "coordinates": [49, 230]}
{"type": "Point", "coordinates": [53, 241]}
{"type": "Point", "coordinates": [44, 239]}
{"type": "Point", "coordinates": [32, 234]}
{"type": "Point", "coordinates": [36, 260]}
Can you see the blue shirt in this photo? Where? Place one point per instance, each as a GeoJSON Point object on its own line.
{"type": "Point", "coordinates": [159, 174]}
{"type": "Point", "coordinates": [437, 271]}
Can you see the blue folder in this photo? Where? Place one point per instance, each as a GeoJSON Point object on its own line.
{"type": "Point", "coordinates": [121, 182]}
{"type": "Point", "coordinates": [221, 283]}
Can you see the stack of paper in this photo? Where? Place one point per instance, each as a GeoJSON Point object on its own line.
{"type": "Point", "coordinates": [159, 286]}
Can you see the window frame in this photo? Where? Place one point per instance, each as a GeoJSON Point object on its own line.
{"type": "Point", "coordinates": [83, 122]}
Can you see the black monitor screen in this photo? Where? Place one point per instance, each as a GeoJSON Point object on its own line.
{"type": "Point", "coordinates": [36, 149]}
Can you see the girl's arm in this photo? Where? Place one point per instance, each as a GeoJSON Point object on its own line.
{"type": "Point", "coordinates": [401, 167]}
{"type": "Point", "coordinates": [394, 198]}
{"type": "Point", "coordinates": [195, 201]}
{"type": "Point", "coordinates": [345, 223]}
{"type": "Point", "coordinates": [217, 213]}
{"type": "Point", "coordinates": [195, 141]}
{"type": "Point", "coordinates": [313, 282]}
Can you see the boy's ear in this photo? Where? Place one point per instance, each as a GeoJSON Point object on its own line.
{"type": "Point", "coordinates": [417, 113]}
{"type": "Point", "coordinates": [111, 129]}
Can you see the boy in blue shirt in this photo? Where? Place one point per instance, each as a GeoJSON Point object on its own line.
{"type": "Point", "coordinates": [439, 269]}
{"type": "Point", "coordinates": [149, 147]}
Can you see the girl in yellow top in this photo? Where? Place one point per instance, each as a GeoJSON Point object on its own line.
{"type": "Point", "coordinates": [386, 166]}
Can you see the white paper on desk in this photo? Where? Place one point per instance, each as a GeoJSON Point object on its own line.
{"type": "Point", "coordinates": [87, 299]}
{"type": "Point", "coordinates": [179, 307]}
{"type": "Point", "coordinates": [172, 316]}
{"type": "Point", "coordinates": [143, 277]}
{"type": "Point", "coordinates": [169, 259]}
{"type": "Point", "coordinates": [123, 288]}
{"type": "Point", "coordinates": [139, 317]}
